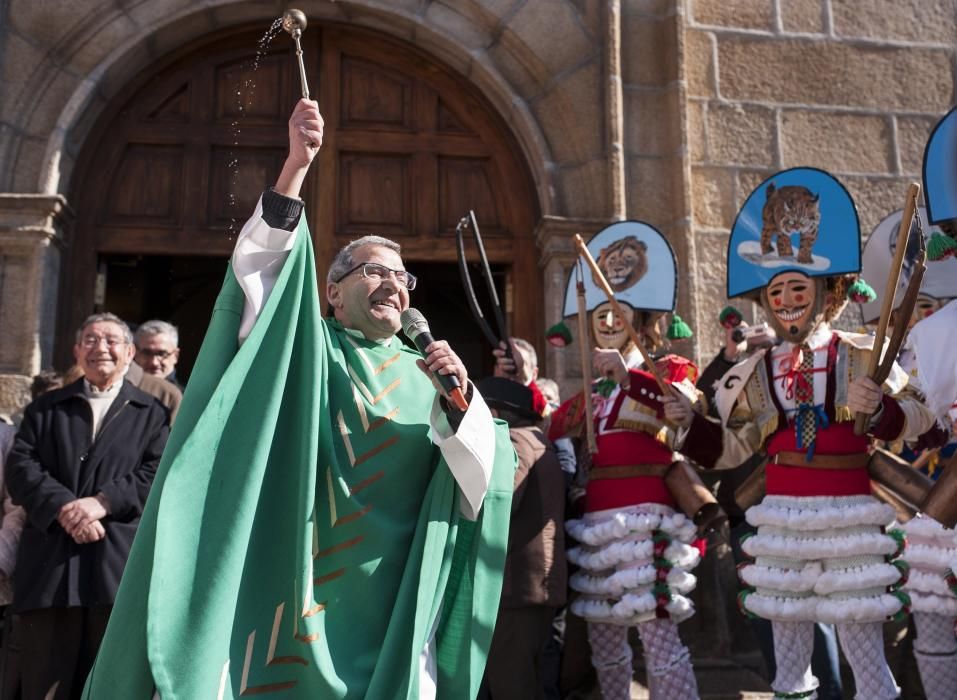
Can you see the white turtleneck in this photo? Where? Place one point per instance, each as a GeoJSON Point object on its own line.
{"type": "Point", "coordinates": [100, 401]}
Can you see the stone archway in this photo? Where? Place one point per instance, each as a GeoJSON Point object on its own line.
{"type": "Point", "coordinates": [409, 149]}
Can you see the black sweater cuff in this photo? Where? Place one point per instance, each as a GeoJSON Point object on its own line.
{"type": "Point", "coordinates": [280, 211]}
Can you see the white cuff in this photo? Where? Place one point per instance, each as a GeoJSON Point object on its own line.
{"type": "Point", "coordinates": [257, 261]}
{"type": "Point", "coordinates": [469, 451]}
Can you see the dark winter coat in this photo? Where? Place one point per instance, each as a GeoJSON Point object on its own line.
{"type": "Point", "coordinates": [55, 461]}
{"type": "Point", "coordinates": [535, 568]}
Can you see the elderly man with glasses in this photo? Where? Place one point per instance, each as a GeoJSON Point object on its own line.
{"type": "Point", "coordinates": [81, 466]}
{"type": "Point", "coordinates": [329, 524]}
{"type": "Point", "coordinates": [157, 349]}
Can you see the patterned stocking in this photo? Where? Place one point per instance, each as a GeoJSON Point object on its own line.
{"type": "Point", "coordinates": [670, 675]}
{"type": "Point", "coordinates": [863, 645]}
{"type": "Point", "coordinates": [611, 657]}
{"type": "Point", "coordinates": [936, 652]}
{"type": "Point", "coordinates": [793, 645]}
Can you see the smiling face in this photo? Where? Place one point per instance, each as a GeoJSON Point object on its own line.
{"type": "Point", "coordinates": [608, 328]}
{"type": "Point", "coordinates": [924, 307]}
{"type": "Point", "coordinates": [793, 303]}
{"type": "Point", "coordinates": [103, 353]}
{"type": "Point", "coordinates": [157, 354]}
{"type": "Point", "coordinates": [370, 306]}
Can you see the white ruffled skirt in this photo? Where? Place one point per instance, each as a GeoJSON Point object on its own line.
{"type": "Point", "coordinates": [635, 564]}
{"type": "Point", "coordinates": [931, 552]}
{"type": "Point", "coordinates": [823, 558]}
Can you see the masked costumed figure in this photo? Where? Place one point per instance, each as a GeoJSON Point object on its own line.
{"type": "Point", "coordinates": [932, 339]}
{"type": "Point", "coordinates": [821, 551]}
{"type": "Point", "coordinates": [930, 546]}
{"type": "Point", "coordinates": [929, 357]}
{"type": "Point", "coordinates": [636, 546]}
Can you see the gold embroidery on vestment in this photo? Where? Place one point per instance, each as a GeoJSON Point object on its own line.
{"type": "Point", "coordinates": [244, 688]}
{"type": "Point", "coordinates": [342, 546]}
{"type": "Point", "coordinates": [329, 577]}
{"type": "Point", "coordinates": [346, 519]}
{"type": "Point", "coordinates": [353, 490]}
{"type": "Point", "coordinates": [373, 399]}
{"type": "Point", "coordinates": [365, 360]}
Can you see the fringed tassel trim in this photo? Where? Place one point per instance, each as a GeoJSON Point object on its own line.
{"type": "Point", "coordinates": [929, 558]}
{"type": "Point", "coordinates": [632, 580]}
{"type": "Point", "coordinates": [678, 554]}
{"type": "Point", "coordinates": [632, 609]}
{"type": "Point", "coordinates": [839, 547]}
{"type": "Point", "coordinates": [813, 579]}
{"type": "Point", "coordinates": [595, 533]}
{"type": "Point", "coordinates": [813, 608]}
{"type": "Point", "coordinates": [805, 519]}
{"type": "Point", "coordinates": [928, 584]}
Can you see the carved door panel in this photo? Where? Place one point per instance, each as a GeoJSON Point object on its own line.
{"type": "Point", "coordinates": [176, 164]}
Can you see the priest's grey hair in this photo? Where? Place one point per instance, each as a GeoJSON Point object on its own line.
{"type": "Point", "coordinates": [343, 262]}
{"type": "Point", "coordinates": [148, 329]}
{"type": "Point", "coordinates": [107, 317]}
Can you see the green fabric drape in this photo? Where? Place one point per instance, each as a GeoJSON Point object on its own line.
{"type": "Point", "coordinates": [303, 536]}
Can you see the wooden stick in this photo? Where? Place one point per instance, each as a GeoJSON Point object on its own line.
{"type": "Point", "coordinates": [890, 292]}
{"type": "Point", "coordinates": [632, 333]}
{"type": "Point", "coordinates": [586, 365]}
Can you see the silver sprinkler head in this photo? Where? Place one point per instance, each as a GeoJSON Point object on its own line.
{"type": "Point", "coordinates": [294, 22]}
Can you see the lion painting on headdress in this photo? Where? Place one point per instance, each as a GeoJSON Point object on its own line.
{"type": "Point", "coordinates": [624, 262]}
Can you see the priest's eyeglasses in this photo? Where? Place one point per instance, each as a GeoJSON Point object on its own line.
{"type": "Point", "coordinates": [377, 272]}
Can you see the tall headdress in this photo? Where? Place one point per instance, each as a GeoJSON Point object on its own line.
{"type": "Point", "coordinates": [640, 266]}
{"type": "Point", "coordinates": [940, 184]}
{"type": "Point", "coordinates": [638, 263]}
{"type": "Point", "coordinates": [940, 280]}
{"type": "Point", "coordinates": [802, 220]}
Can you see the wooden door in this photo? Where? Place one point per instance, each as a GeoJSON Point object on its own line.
{"type": "Point", "coordinates": [176, 164]}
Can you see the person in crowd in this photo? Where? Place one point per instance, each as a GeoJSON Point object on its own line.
{"type": "Point", "coordinates": [323, 503]}
{"type": "Point", "coordinates": [740, 341]}
{"type": "Point", "coordinates": [535, 581]}
{"type": "Point", "coordinates": [635, 549]}
{"type": "Point", "coordinates": [46, 380]}
{"type": "Point", "coordinates": [821, 550]}
{"type": "Point", "coordinates": [165, 391]}
{"type": "Point", "coordinates": [929, 357]}
{"type": "Point", "coordinates": [564, 447]}
{"type": "Point", "coordinates": [81, 466]}
{"type": "Point", "coordinates": [157, 349]}
{"type": "Point", "coordinates": [11, 525]}
{"type": "Point", "coordinates": [13, 519]}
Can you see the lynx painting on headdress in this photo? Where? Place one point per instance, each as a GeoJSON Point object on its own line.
{"type": "Point", "coordinates": [788, 210]}
{"type": "Point", "coordinates": [623, 263]}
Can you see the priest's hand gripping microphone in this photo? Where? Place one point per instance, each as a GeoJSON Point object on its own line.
{"type": "Point", "coordinates": [416, 329]}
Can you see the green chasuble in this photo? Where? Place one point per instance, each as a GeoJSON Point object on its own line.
{"type": "Point", "coordinates": [303, 537]}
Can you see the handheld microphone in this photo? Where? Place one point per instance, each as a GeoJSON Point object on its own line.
{"type": "Point", "coordinates": [416, 329]}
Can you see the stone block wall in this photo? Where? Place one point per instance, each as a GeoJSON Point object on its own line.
{"type": "Point", "coordinates": [851, 86]}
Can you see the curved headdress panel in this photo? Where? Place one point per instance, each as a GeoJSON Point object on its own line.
{"type": "Point", "coordinates": [940, 279]}
{"type": "Point", "coordinates": [638, 263]}
{"type": "Point", "coordinates": [802, 219]}
{"type": "Point", "coordinates": [940, 170]}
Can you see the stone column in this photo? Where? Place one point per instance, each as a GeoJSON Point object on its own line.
{"type": "Point", "coordinates": [33, 228]}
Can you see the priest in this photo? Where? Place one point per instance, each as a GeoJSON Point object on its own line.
{"type": "Point", "coordinates": [325, 523]}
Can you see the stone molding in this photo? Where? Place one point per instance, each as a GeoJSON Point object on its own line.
{"type": "Point", "coordinates": [33, 233]}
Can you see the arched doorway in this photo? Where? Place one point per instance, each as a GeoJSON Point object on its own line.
{"type": "Point", "coordinates": [175, 165]}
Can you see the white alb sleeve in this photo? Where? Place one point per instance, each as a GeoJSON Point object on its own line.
{"type": "Point", "coordinates": [257, 261]}
{"type": "Point", "coordinates": [469, 451]}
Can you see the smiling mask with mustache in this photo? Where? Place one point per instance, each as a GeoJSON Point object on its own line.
{"type": "Point", "coordinates": [794, 304]}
